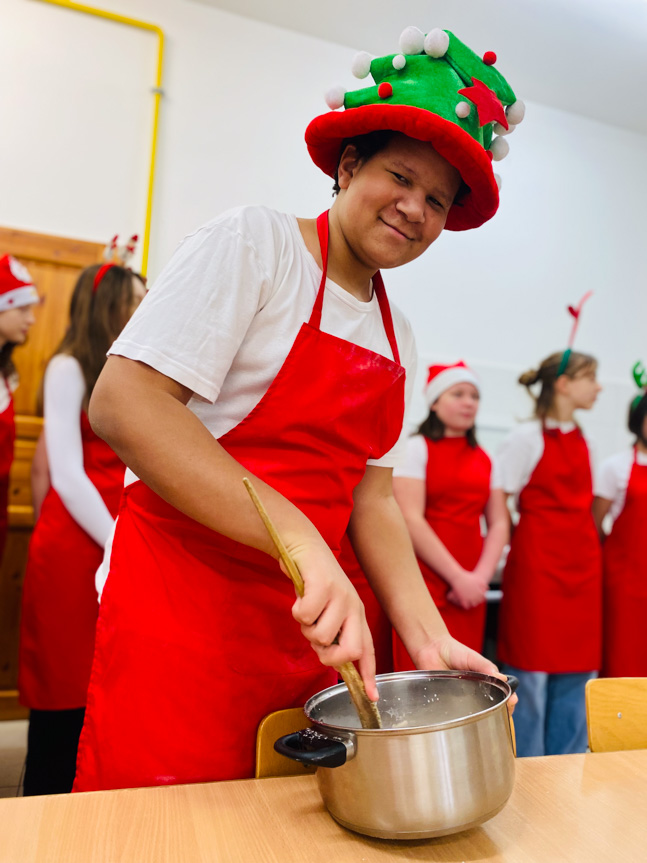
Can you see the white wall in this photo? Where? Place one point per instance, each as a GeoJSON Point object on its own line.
{"type": "Point", "coordinates": [238, 95]}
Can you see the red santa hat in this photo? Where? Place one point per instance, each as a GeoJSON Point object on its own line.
{"type": "Point", "coordinates": [16, 285]}
{"type": "Point", "coordinates": [441, 378]}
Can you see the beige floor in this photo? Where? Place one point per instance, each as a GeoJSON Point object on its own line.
{"type": "Point", "coordinates": [13, 747]}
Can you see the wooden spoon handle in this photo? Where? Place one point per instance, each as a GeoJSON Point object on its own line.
{"type": "Point", "coordinates": [367, 710]}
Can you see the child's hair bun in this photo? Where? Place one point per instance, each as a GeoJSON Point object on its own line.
{"type": "Point", "coordinates": [527, 379]}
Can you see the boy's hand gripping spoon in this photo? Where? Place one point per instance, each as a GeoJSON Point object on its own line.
{"type": "Point", "coordinates": [367, 710]}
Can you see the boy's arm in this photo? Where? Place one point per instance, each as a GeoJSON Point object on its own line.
{"type": "Point", "coordinates": [142, 414]}
{"type": "Point", "coordinates": [381, 542]}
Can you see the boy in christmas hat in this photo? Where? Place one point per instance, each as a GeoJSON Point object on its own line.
{"type": "Point", "coordinates": [18, 296]}
{"type": "Point", "coordinates": [268, 349]}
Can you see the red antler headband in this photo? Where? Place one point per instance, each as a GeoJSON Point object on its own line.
{"type": "Point", "coordinates": [116, 256]}
{"type": "Point", "coordinates": [575, 312]}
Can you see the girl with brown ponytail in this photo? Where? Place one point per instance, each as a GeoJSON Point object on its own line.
{"type": "Point", "coordinates": [550, 618]}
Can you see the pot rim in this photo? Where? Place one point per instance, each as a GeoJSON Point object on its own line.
{"type": "Point", "coordinates": [503, 685]}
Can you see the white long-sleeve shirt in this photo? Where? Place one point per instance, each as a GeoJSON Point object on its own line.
{"type": "Point", "coordinates": [64, 392]}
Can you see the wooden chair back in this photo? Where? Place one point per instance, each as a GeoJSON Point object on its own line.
{"type": "Point", "coordinates": [616, 713]}
{"type": "Point", "coordinates": [273, 726]}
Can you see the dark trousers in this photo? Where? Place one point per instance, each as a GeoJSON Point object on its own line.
{"type": "Point", "coordinates": [52, 741]}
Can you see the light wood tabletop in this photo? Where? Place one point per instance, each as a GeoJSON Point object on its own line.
{"type": "Point", "coordinates": [575, 808]}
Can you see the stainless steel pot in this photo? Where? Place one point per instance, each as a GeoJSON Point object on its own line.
{"type": "Point", "coordinates": [443, 762]}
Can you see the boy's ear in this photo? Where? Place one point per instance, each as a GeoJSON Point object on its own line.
{"type": "Point", "coordinates": [348, 164]}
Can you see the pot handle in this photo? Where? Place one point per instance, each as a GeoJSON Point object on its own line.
{"type": "Point", "coordinates": [513, 681]}
{"type": "Point", "coordinates": [311, 748]}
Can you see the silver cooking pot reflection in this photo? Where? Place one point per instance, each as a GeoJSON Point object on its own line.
{"type": "Point", "coordinates": [442, 762]}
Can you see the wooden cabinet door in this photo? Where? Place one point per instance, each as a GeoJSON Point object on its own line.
{"type": "Point", "coordinates": [54, 263]}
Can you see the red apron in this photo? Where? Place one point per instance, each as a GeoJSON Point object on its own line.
{"type": "Point", "coordinates": [551, 612]}
{"type": "Point", "coordinates": [458, 489]}
{"type": "Point", "coordinates": [196, 641]}
{"type": "Point", "coordinates": [7, 439]}
{"type": "Point", "coordinates": [59, 600]}
{"type": "Point", "coordinates": [378, 622]}
{"type": "Point", "coordinates": [625, 584]}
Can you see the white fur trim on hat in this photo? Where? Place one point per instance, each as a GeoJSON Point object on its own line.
{"type": "Point", "coordinates": [444, 380]}
{"type": "Point", "coordinates": [24, 296]}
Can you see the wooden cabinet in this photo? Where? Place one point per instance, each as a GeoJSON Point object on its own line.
{"type": "Point", "coordinates": [54, 263]}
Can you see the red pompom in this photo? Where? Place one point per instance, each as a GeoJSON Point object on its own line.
{"type": "Point", "coordinates": [490, 154]}
{"type": "Point", "coordinates": [489, 58]}
{"type": "Point", "coordinates": [385, 90]}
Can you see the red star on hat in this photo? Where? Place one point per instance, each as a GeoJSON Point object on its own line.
{"type": "Point", "coordinates": [488, 105]}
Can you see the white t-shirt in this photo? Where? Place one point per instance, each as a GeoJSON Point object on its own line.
{"type": "Point", "coordinates": [520, 452]}
{"type": "Point", "coordinates": [414, 463]}
{"type": "Point", "coordinates": [613, 478]}
{"type": "Point", "coordinates": [224, 313]}
{"type": "Point", "coordinates": [64, 391]}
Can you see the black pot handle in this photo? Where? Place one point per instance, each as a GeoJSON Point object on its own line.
{"type": "Point", "coordinates": [312, 748]}
{"type": "Point", "coordinates": [513, 681]}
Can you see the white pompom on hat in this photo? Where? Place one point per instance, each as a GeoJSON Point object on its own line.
{"type": "Point", "coordinates": [16, 285]}
{"type": "Point", "coordinates": [441, 378]}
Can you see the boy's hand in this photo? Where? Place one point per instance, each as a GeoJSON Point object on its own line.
{"type": "Point", "coordinates": [331, 613]}
{"type": "Point", "coordinates": [447, 654]}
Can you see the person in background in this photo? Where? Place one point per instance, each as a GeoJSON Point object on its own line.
{"type": "Point", "coordinates": [59, 604]}
{"type": "Point", "coordinates": [550, 620]}
{"type": "Point", "coordinates": [621, 492]}
{"type": "Point", "coordinates": [444, 489]}
{"type": "Point", "coordinates": [18, 299]}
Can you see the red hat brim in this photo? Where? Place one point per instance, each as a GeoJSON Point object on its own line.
{"type": "Point", "coordinates": [325, 134]}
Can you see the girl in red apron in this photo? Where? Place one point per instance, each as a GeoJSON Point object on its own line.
{"type": "Point", "coordinates": [550, 622]}
{"type": "Point", "coordinates": [621, 491]}
{"type": "Point", "coordinates": [18, 297]}
{"type": "Point", "coordinates": [59, 605]}
{"type": "Point", "coordinates": [268, 348]}
{"type": "Point", "coordinates": [444, 490]}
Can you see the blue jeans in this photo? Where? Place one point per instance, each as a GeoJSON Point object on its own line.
{"type": "Point", "coordinates": [550, 718]}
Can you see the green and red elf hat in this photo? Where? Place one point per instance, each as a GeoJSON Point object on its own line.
{"type": "Point", "coordinates": [436, 90]}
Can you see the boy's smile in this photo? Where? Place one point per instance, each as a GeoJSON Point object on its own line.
{"type": "Point", "coordinates": [390, 208]}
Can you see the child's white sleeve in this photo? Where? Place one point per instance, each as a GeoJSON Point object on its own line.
{"type": "Point", "coordinates": [517, 458]}
{"type": "Point", "coordinates": [414, 464]}
{"type": "Point", "coordinates": [64, 392]}
{"type": "Point", "coordinates": [192, 322]}
{"type": "Point", "coordinates": [607, 479]}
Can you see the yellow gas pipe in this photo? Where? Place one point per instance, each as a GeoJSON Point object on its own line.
{"type": "Point", "coordinates": [157, 95]}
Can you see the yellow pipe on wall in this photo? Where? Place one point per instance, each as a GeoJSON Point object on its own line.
{"type": "Point", "coordinates": [157, 95]}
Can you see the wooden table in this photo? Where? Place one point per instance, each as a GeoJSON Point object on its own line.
{"type": "Point", "coordinates": [575, 808]}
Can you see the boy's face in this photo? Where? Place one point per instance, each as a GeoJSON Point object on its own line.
{"type": "Point", "coordinates": [392, 207]}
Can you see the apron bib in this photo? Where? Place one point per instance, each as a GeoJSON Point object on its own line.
{"type": "Point", "coordinates": [625, 584]}
{"type": "Point", "coordinates": [59, 601]}
{"type": "Point", "coordinates": [196, 641]}
{"type": "Point", "coordinates": [551, 612]}
{"type": "Point", "coordinates": [458, 489]}
{"type": "Point", "coordinates": [7, 439]}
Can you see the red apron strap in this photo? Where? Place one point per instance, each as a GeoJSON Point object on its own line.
{"type": "Point", "coordinates": [322, 231]}
{"type": "Point", "coordinates": [378, 284]}
{"type": "Point", "coordinates": [387, 318]}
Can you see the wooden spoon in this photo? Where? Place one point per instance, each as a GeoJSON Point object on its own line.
{"type": "Point", "coordinates": [367, 710]}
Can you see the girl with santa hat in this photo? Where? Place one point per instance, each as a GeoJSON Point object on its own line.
{"type": "Point", "coordinates": [444, 488]}
{"type": "Point", "coordinates": [268, 349]}
{"type": "Point", "coordinates": [59, 604]}
{"type": "Point", "coordinates": [18, 298]}
{"type": "Point", "coordinates": [621, 492]}
{"type": "Point", "coordinates": [550, 620]}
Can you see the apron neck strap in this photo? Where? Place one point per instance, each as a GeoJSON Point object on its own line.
{"type": "Point", "coordinates": [378, 286]}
